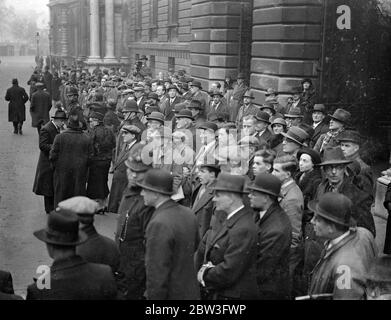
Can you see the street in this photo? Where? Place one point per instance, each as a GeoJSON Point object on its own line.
{"type": "Point", "coordinates": [21, 211]}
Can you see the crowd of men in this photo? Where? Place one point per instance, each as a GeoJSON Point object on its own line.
{"type": "Point", "coordinates": [217, 198]}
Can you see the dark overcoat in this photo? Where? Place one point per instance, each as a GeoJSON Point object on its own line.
{"type": "Point", "coordinates": [387, 241]}
{"type": "Point", "coordinates": [6, 287]}
{"type": "Point", "coordinates": [133, 220]}
{"type": "Point", "coordinates": [274, 240]}
{"type": "Point", "coordinates": [41, 103]}
{"type": "Point", "coordinates": [99, 249]}
{"type": "Point", "coordinates": [70, 155]}
{"type": "Point", "coordinates": [171, 241]}
{"type": "Point", "coordinates": [43, 182]}
{"type": "Point", "coordinates": [232, 249]}
{"type": "Point", "coordinates": [320, 129]}
{"type": "Point", "coordinates": [76, 279]}
{"type": "Point", "coordinates": [17, 98]}
{"type": "Point", "coordinates": [168, 108]}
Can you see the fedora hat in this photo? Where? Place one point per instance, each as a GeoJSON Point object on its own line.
{"type": "Point", "coordinates": [294, 113]}
{"type": "Point", "coordinates": [138, 88]}
{"type": "Point", "coordinates": [269, 106]}
{"type": "Point", "coordinates": [131, 129]}
{"type": "Point", "coordinates": [60, 115]}
{"type": "Point", "coordinates": [230, 183]}
{"type": "Point", "coordinates": [62, 229]}
{"type": "Point", "coordinates": [334, 207]}
{"type": "Point", "coordinates": [350, 136]}
{"type": "Point", "coordinates": [207, 125]}
{"type": "Point", "coordinates": [130, 106]}
{"type": "Point", "coordinates": [297, 135]}
{"type": "Point", "coordinates": [82, 206]}
{"type": "Point", "coordinates": [134, 161]}
{"type": "Point", "coordinates": [158, 116]}
{"type": "Point", "coordinates": [312, 153]}
{"type": "Point", "coordinates": [333, 156]}
{"type": "Point", "coordinates": [249, 94]}
{"type": "Point", "coordinates": [180, 106]}
{"type": "Point", "coordinates": [212, 166]}
{"type": "Point", "coordinates": [262, 116]}
{"type": "Point", "coordinates": [185, 114]}
{"type": "Point", "coordinates": [153, 95]}
{"type": "Point", "coordinates": [97, 115]}
{"type": "Point", "coordinates": [158, 180]}
{"type": "Point", "coordinates": [341, 115]}
{"type": "Point", "coordinates": [266, 183]}
{"type": "Point", "coordinates": [196, 84]}
{"type": "Point", "coordinates": [319, 107]}
{"type": "Point", "coordinates": [173, 87]}
{"type": "Point", "coordinates": [280, 121]}
{"type": "Point", "coordinates": [216, 93]}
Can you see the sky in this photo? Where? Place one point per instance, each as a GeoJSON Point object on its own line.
{"type": "Point", "coordinates": [39, 6]}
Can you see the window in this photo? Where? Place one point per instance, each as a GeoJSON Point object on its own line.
{"type": "Point", "coordinates": [138, 19]}
{"type": "Point", "coordinates": [153, 12]}
{"type": "Point", "coordinates": [173, 9]}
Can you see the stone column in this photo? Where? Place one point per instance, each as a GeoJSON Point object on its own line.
{"type": "Point", "coordinates": [109, 19]}
{"type": "Point", "coordinates": [63, 28]}
{"type": "Point", "coordinates": [94, 32]}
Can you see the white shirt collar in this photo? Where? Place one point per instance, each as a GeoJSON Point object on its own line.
{"type": "Point", "coordinates": [236, 211]}
{"type": "Point", "coordinates": [262, 214]}
{"type": "Point", "coordinates": [316, 124]}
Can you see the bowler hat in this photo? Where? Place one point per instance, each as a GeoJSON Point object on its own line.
{"type": "Point", "coordinates": [269, 106]}
{"type": "Point", "coordinates": [131, 129]}
{"type": "Point", "coordinates": [312, 153]}
{"type": "Point", "coordinates": [296, 134]}
{"type": "Point", "coordinates": [158, 116]}
{"type": "Point", "coordinates": [350, 136]}
{"type": "Point", "coordinates": [341, 115]}
{"type": "Point", "coordinates": [196, 84]}
{"type": "Point", "coordinates": [62, 229]}
{"type": "Point", "coordinates": [262, 116]}
{"type": "Point", "coordinates": [134, 161]}
{"type": "Point", "coordinates": [97, 115]}
{"type": "Point", "coordinates": [319, 107]}
{"type": "Point", "coordinates": [266, 183]}
{"type": "Point", "coordinates": [185, 114]}
{"type": "Point", "coordinates": [130, 106]}
{"type": "Point", "coordinates": [195, 104]}
{"type": "Point", "coordinates": [180, 106]}
{"type": "Point", "coordinates": [294, 113]}
{"type": "Point", "coordinates": [82, 206]}
{"type": "Point", "coordinates": [249, 94]}
{"type": "Point", "coordinates": [334, 207]}
{"type": "Point", "coordinates": [380, 269]}
{"type": "Point", "coordinates": [60, 115]}
{"type": "Point", "coordinates": [207, 125]}
{"type": "Point", "coordinates": [153, 95]}
{"type": "Point", "coordinates": [158, 180]}
{"type": "Point", "coordinates": [230, 183]}
{"type": "Point", "coordinates": [333, 156]}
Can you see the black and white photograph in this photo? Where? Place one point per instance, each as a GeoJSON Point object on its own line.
{"type": "Point", "coordinates": [203, 153]}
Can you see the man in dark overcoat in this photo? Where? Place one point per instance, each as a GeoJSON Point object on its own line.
{"type": "Point", "coordinates": [71, 277]}
{"type": "Point", "coordinates": [228, 271]}
{"type": "Point", "coordinates": [320, 123]}
{"type": "Point", "coordinates": [133, 220]}
{"type": "Point", "coordinates": [43, 182]}
{"type": "Point", "coordinates": [70, 156]}
{"type": "Point", "coordinates": [17, 98]}
{"type": "Point", "coordinates": [47, 80]}
{"type": "Point", "coordinates": [41, 103]}
{"type": "Point", "coordinates": [171, 241]}
{"type": "Point", "coordinates": [274, 238]}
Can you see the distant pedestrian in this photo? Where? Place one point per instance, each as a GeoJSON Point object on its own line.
{"type": "Point", "coordinates": [41, 103]}
{"type": "Point", "coordinates": [17, 98]}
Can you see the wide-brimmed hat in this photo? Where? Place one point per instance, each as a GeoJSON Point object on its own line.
{"type": "Point", "coordinates": [216, 93]}
{"type": "Point", "coordinates": [62, 229]}
{"type": "Point", "coordinates": [334, 156]}
{"type": "Point", "coordinates": [334, 207]}
{"type": "Point", "coordinates": [130, 106]}
{"type": "Point", "coordinates": [158, 116]}
{"type": "Point", "coordinates": [212, 166]}
{"type": "Point", "coordinates": [60, 115]}
{"type": "Point", "coordinates": [134, 161]}
{"type": "Point", "coordinates": [196, 84]}
{"type": "Point", "coordinates": [82, 206]}
{"type": "Point", "coordinates": [315, 156]}
{"type": "Point", "coordinates": [158, 180]}
{"type": "Point", "coordinates": [249, 94]}
{"type": "Point", "coordinates": [280, 121]}
{"type": "Point", "coordinates": [262, 116]}
{"type": "Point", "coordinates": [296, 134]}
{"type": "Point", "coordinates": [153, 95]}
{"type": "Point", "coordinates": [341, 115]}
{"type": "Point", "coordinates": [230, 183]}
{"type": "Point", "coordinates": [131, 129]}
{"type": "Point", "coordinates": [207, 125]}
{"type": "Point", "coordinates": [294, 113]}
{"type": "Point", "coordinates": [350, 136]}
{"type": "Point", "coordinates": [319, 107]}
{"type": "Point", "coordinates": [249, 141]}
{"type": "Point", "coordinates": [266, 183]}
{"type": "Point", "coordinates": [185, 114]}
{"type": "Point", "coordinates": [173, 87]}
{"type": "Point", "coordinates": [269, 106]}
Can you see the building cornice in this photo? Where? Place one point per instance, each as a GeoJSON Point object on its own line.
{"type": "Point", "coordinates": [54, 3]}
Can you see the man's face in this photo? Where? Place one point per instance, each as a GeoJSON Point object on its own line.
{"type": "Point", "coordinates": [260, 126]}
{"type": "Point", "coordinates": [93, 123]}
{"type": "Point", "coordinates": [258, 200]}
{"type": "Point", "coordinates": [216, 99]}
{"type": "Point", "coordinates": [160, 90]}
{"type": "Point", "coordinates": [248, 127]}
{"type": "Point", "coordinates": [279, 172]}
{"type": "Point", "coordinates": [154, 125]}
{"type": "Point", "coordinates": [260, 166]}
{"type": "Point", "coordinates": [277, 128]}
{"type": "Point", "coordinates": [222, 200]}
{"type": "Point", "coordinates": [181, 123]}
{"type": "Point", "coordinates": [205, 176]}
{"type": "Point", "coordinates": [246, 101]}
{"type": "Point", "coordinates": [149, 197]}
{"type": "Point", "coordinates": [349, 148]}
{"type": "Point", "coordinates": [193, 89]}
{"type": "Point", "coordinates": [317, 116]}
{"type": "Point", "coordinates": [172, 93]}
{"type": "Point", "coordinates": [321, 227]}
{"type": "Point", "coordinates": [305, 163]}
{"type": "Point", "coordinates": [127, 136]}
{"type": "Point", "coordinates": [154, 86]}
{"type": "Point", "coordinates": [335, 173]}
{"type": "Point", "coordinates": [296, 97]}
{"type": "Point", "coordinates": [73, 97]}
{"type": "Point", "coordinates": [134, 177]}
{"type": "Point", "coordinates": [288, 146]}
{"type": "Point", "coordinates": [306, 85]}
{"type": "Point", "coordinates": [335, 125]}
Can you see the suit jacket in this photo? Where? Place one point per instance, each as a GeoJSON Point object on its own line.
{"type": "Point", "coordinates": [292, 203]}
{"type": "Point", "coordinates": [274, 241]}
{"type": "Point", "coordinates": [350, 257]}
{"type": "Point", "coordinates": [171, 240]}
{"type": "Point", "coordinates": [221, 110]}
{"type": "Point", "coordinates": [76, 279]}
{"type": "Point", "coordinates": [168, 108]}
{"type": "Point", "coordinates": [245, 111]}
{"type": "Point", "coordinates": [203, 208]}
{"type": "Point", "coordinates": [232, 250]}
{"type": "Point", "coordinates": [43, 182]}
{"type": "Point", "coordinates": [321, 128]}
{"type": "Point", "coordinates": [266, 136]}
{"type": "Point", "coordinates": [142, 103]}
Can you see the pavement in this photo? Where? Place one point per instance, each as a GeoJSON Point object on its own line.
{"type": "Point", "coordinates": [21, 211]}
